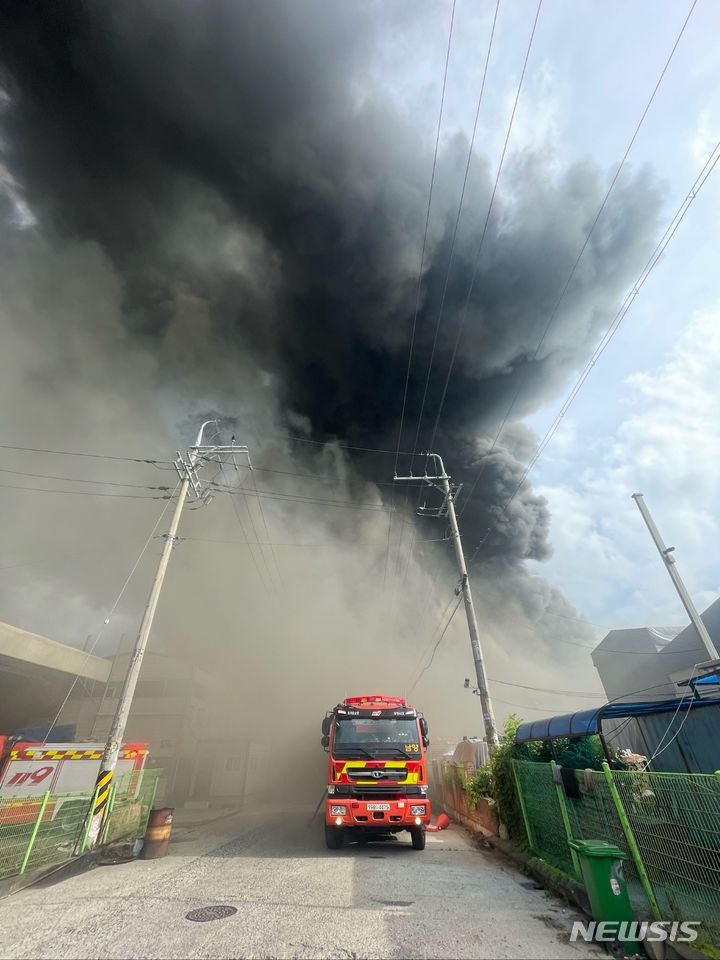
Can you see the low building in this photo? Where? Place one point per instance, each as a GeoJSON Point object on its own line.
{"type": "Point", "coordinates": [644, 664]}
{"type": "Point", "coordinates": [37, 674]}
{"type": "Point", "coordinates": [182, 712]}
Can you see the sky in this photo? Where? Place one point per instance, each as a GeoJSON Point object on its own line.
{"type": "Point", "coordinates": [236, 228]}
{"type": "Point", "coordinates": [647, 419]}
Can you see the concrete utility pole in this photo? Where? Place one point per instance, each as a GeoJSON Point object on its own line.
{"type": "Point", "coordinates": [187, 471]}
{"type": "Point", "coordinates": [671, 567]}
{"type": "Point", "coordinates": [441, 481]}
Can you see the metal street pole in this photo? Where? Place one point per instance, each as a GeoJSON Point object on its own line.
{"type": "Point", "coordinates": [671, 567]}
{"type": "Point", "coordinates": [186, 468]}
{"type": "Point", "coordinates": [448, 509]}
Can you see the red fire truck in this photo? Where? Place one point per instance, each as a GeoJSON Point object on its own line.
{"type": "Point", "coordinates": [377, 770]}
{"type": "Point", "coordinates": [30, 769]}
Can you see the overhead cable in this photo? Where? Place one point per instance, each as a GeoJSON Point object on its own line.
{"type": "Point", "coordinates": [455, 229]}
{"type": "Point", "coordinates": [607, 337]}
{"type": "Point", "coordinates": [425, 236]}
{"type": "Point", "coordinates": [466, 307]}
{"type": "Point", "coordinates": [568, 281]}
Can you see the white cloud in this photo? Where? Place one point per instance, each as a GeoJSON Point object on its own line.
{"type": "Point", "coordinates": [667, 447]}
{"type": "Point", "coordinates": [707, 134]}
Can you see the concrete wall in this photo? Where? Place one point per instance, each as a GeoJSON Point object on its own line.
{"type": "Point", "coordinates": [31, 648]}
{"type": "Point", "coordinates": [448, 794]}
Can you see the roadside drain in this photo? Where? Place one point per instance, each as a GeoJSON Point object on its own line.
{"type": "Point", "coordinates": [203, 914]}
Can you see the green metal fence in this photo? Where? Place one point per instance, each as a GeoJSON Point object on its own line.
{"type": "Point", "coordinates": [42, 831]}
{"type": "Point", "coordinates": [667, 823]}
{"type": "Point", "coordinates": [130, 804]}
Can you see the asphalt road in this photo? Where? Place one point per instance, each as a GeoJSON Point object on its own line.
{"type": "Point", "coordinates": [293, 899]}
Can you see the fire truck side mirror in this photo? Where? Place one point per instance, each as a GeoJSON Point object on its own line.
{"type": "Point", "coordinates": [326, 726]}
{"type": "Point", "coordinates": [424, 728]}
{"type": "Point", "coordinates": [325, 741]}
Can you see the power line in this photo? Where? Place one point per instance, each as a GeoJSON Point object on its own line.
{"type": "Point", "coordinates": [437, 644]}
{"type": "Point", "coordinates": [464, 312]}
{"type": "Point", "coordinates": [267, 531]}
{"type": "Point", "coordinates": [246, 539]}
{"type": "Point", "coordinates": [87, 493]}
{"type": "Point", "coordinates": [455, 229]}
{"type": "Point", "coordinates": [432, 636]}
{"type": "Point", "coordinates": [297, 498]}
{"type": "Point", "coordinates": [523, 706]}
{"type": "Point", "coordinates": [322, 477]}
{"type": "Point", "coordinates": [344, 445]}
{"type": "Point", "coordinates": [275, 543]}
{"type": "Point", "coordinates": [466, 307]}
{"type": "Point", "coordinates": [598, 648]}
{"type": "Point", "coordinates": [112, 610]}
{"type": "Point", "coordinates": [567, 693]}
{"type": "Point", "coordinates": [417, 301]}
{"type": "Point", "coordinates": [104, 483]}
{"type": "Point", "coordinates": [652, 262]}
{"type": "Point", "coordinates": [96, 456]}
{"type": "Point", "coordinates": [691, 693]}
{"type": "Point", "coordinates": [621, 729]}
{"type": "Point", "coordinates": [563, 292]}
{"type": "Point", "coordinates": [425, 236]}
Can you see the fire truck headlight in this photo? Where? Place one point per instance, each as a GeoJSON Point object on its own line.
{"type": "Point", "coordinates": [418, 809]}
{"type": "Point", "coordinates": [338, 821]}
{"type": "Point", "coordinates": [338, 810]}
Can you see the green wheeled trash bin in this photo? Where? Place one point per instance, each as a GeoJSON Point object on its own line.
{"type": "Point", "coordinates": [601, 864]}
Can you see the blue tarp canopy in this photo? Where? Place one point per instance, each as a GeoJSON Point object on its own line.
{"type": "Point", "coordinates": [585, 723]}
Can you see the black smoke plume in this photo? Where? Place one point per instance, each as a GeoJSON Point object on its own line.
{"type": "Point", "coordinates": [214, 206]}
{"type": "Point", "coordinates": [182, 136]}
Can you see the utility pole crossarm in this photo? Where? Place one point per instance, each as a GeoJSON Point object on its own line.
{"type": "Point", "coordinates": [441, 481]}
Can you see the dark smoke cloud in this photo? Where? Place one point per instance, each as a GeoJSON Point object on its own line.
{"type": "Point", "coordinates": [228, 218]}
{"type": "Point", "coordinates": [235, 149]}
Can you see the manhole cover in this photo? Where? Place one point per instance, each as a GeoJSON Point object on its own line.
{"type": "Point", "coordinates": [203, 914]}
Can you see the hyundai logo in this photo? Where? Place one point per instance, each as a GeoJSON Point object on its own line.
{"type": "Point", "coordinates": [377, 774]}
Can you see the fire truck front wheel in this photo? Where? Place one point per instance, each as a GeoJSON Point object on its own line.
{"type": "Point", "coordinates": [418, 839]}
{"type": "Point", "coordinates": [333, 837]}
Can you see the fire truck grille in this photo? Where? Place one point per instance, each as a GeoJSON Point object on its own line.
{"type": "Point", "coordinates": [397, 775]}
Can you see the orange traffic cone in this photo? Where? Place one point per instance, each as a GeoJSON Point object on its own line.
{"type": "Point", "coordinates": [442, 823]}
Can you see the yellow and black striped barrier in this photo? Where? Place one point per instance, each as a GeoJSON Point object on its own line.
{"type": "Point", "coordinates": [102, 792]}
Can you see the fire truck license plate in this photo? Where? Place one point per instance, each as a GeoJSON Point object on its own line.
{"type": "Point", "coordinates": [378, 806]}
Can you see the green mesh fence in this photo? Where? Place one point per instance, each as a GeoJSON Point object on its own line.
{"type": "Point", "coordinates": [41, 831]}
{"type": "Point", "coordinates": [594, 816]}
{"type": "Point", "coordinates": [674, 818]}
{"type": "Point", "coordinates": [548, 838]}
{"type": "Point", "coordinates": [131, 803]}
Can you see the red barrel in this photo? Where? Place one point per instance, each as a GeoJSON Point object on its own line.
{"type": "Point", "coordinates": [157, 835]}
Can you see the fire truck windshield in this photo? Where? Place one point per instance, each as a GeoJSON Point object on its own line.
{"type": "Point", "coordinates": [376, 738]}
